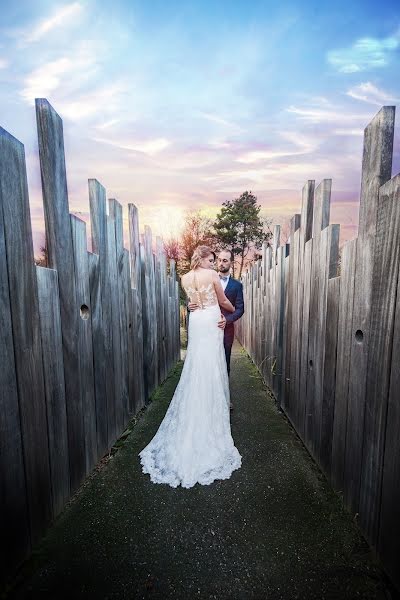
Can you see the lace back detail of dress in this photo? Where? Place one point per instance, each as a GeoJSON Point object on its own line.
{"type": "Point", "coordinates": [204, 295]}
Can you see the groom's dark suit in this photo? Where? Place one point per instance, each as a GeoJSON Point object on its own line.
{"type": "Point", "coordinates": [234, 293]}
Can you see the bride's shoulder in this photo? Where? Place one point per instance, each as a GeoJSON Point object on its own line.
{"type": "Point", "coordinates": [215, 276]}
{"type": "Point", "coordinates": [186, 277]}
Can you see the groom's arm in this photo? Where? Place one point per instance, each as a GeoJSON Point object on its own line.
{"type": "Point", "coordinates": [239, 307]}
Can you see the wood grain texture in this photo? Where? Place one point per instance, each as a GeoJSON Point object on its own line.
{"type": "Point", "coordinates": [99, 362]}
{"type": "Point", "coordinates": [376, 166]}
{"type": "Point", "coordinates": [14, 523]}
{"type": "Point", "coordinates": [302, 304]}
{"type": "Point", "coordinates": [24, 304]}
{"type": "Point", "coordinates": [383, 302]}
{"type": "Point", "coordinates": [116, 214]}
{"type": "Point", "coordinates": [305, 326]}
{"type": "Point", "coordinates": [84, 346]}
{"type": "Point", "coordinates": [130, 332]}
{"type": "Point", "coordinates": [60, 256]}
{"type": "Point", "coordinates": [115, 326]}
{"type": "Point", "coordinates": [53, 368]}
{"type": "Point", "coordinates": [317, 296]}
{"type": "Point", "coordinates": [376, 170]}
{"type": "Point", "coordinates": [337, 357]}
{"type": "Point", "coordinates": [329, 374]}
{"type": "Point", "coordinates": [343, 374]}
{"type": "Point", "coordinates": [102, 323]}
{"type": "Point", "coordinates": [71, 337]}
{"type": "Point", "coordinates": [389, 526]}
{"type": "Point", "coordinates": [136, 272]}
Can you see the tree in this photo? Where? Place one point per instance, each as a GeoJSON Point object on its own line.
{"type": "Point", "coordinates": [239, 227]}
{"type": "Point", "coordinates": [197, 231]}
{"type": "Point", "coordinates": [43, 260]}
{"type": "Point", "coordinates": [172, 250]}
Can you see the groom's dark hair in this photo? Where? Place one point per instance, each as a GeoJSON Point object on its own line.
{"type": "Point", "coordinates": [229, 252]}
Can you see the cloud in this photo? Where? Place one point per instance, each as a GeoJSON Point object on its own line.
{"type": "Point", "coordinates": [351, 132]}
{"type": "Point", "coordinates": [299, 145]}
{"type": "Point", "coordinates": [107, 124]}
{"type": "Point", "coordinates": [101, 100]}
{"type": "Point", "coordinates": [64, 15]}
{"type": "Point", "coordinates": [150, 146]}
{"type": "Point", "coordinates": [364, 54]}
{"type": "Point", "coordinates": [45, 79]}
{"type": "Point", "coordinates": [333, 115]}
{"type": "Point", "coordinates": [66, 74]}
{"type": "Point", "coordinates": [3, 63]}
{"type": "Point", "coordinates": [217, 119]}
{"type": "Point", "coordinates": [367, 92]}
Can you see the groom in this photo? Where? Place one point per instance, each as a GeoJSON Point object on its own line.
{"type": "Point", "coordinates": [234, 292]}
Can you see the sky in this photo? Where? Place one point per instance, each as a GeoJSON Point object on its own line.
{"type": "Point", "coordinates": [175, 105]}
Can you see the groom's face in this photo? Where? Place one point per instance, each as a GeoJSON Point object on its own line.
{"type": "Point", "coordinates": [224, 262]}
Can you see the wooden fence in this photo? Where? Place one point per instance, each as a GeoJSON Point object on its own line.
{"type": "Point", "coordinates": [328, 345]}
{"type": "Point", "coordinates": [83, 343]}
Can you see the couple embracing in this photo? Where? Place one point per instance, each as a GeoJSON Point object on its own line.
{"type": "Point", "coordinates": [194, 443]}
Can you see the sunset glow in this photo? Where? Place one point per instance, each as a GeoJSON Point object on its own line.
{"type": "Point", "coordinates": [176, 105]}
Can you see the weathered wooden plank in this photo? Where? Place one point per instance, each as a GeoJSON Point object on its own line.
{"type": "Point", "coordinates": [102, 324]}
{"type": "Point", "coordinates": [158, 311]}
{"type": "Point", "coordinates": [305, 233]}
{"type": "Point", "coordinates": [162, 314]}
{"type": "Point", "coordinates": [135, 264]}
{"type": "Point", "coordinates": [150, 333]}
{"type": "Point", "coordinates": [122, 352]}
{"type": "Point", "coordinates": [130, 332]}
{"type": "Point", "coordinates": [305, 326]}
{"type": "Point", "coordinates": [51, 335]}
{"type": "Point", "coordinates": [383, 302]}
{"type": "Point", "coordinates": [177, 328]}
{"type": "Point", "coordinates": [329, 245]}
{"type": "Point", "coordinates": [285, 326]}
{"type": "Point", "coordinates": [276, 242]}
{"type": "Point", "coordinates": [358, 370]}
{"type": "Point", "coordinates": [348, 265]}
{"type": "Point", "coordinates": [295, 327]}
{"type": "Point", "coordinates": [60, 257]}
{"type": "Point", "coordinates": [314, 385]}
{"type": "Point", "coordinates": [115, 326]}
{"type": "Point", "coordinates": [14, 523]}
{"type": "Point", "coordinates": [99, 367]}
{"type": "Point", "coordinates": [389, 533]}
{"type": "Point", "coordinates": [376, 166]}
{"type": "Point", "coordinates": [280, 305]}
{"type": "Point", "coordinates": [329, 374]}
{"type": "Point", "coordinates": [84, 347]}
{"type": "Point", "coordinates": [376, 170]}
{"type": "Point", "coordinates": [23, 295]}
{"type": "Point", "coordinates": [292, 265]}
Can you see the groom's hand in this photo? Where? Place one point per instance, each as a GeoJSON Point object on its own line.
{"type": "Point", "coordinates": [193, 306]}
{"type": "Point", "coordinates": [222, 322]}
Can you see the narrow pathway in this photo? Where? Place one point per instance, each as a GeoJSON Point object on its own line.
{"type": "Point", "coordinates": [274, 530]}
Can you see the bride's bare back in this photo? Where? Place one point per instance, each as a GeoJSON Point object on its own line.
{"type": "Point", "coordinates": [203, 287]}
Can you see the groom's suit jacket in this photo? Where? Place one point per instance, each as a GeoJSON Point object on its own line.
{"type": "Point", "coordinates": [234, 293]}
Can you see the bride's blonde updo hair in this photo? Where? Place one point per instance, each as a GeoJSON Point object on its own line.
{"type": "Point", "coordinates": [199, 253]}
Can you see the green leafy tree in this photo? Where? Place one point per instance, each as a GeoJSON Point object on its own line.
{"type": "Point", "coordinates": [239, 227]}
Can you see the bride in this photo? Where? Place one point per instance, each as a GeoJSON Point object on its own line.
{"type": "Point", "coordinates": [194, 444]}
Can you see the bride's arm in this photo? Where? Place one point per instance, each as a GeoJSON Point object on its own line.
{"type": "Point", "coordinates": [222, 299]}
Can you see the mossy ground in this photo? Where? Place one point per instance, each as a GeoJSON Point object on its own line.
{"type": "Point", "coordinates": [273, 530]}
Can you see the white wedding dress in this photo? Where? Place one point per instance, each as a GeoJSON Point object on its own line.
{"type": "Point", "coordinates": [194, 444]}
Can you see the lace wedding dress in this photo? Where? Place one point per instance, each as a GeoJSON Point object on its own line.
{"type": "Point", "coordinates": [194, 443]}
